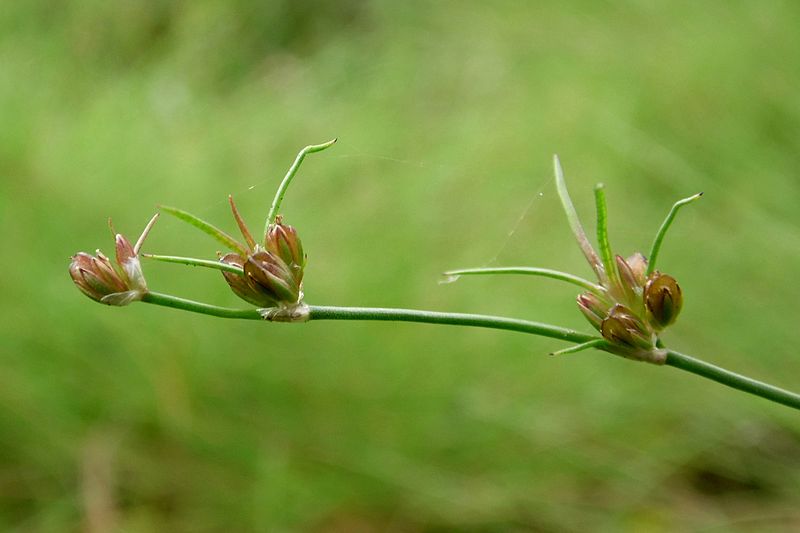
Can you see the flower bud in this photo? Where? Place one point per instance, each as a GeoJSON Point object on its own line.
{"type": "Point", "coordinates": [282, 240]}
{"type": "Point", "coordinates": [592, 308]}
{"type": "Point", "coordinates": [98, 279]}
{"type": "Point", "coordinates": [95, 276]}
{"type": "Point", "coordinates": [626, 330]}
{"type": "Point", "coordinates": [239, 285]}
{"type": "Point", "coordinates": [663, 299]}
{"type": "Point", "coordinates": [272, 279]}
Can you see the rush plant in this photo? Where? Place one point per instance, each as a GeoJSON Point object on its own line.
{"type": "Point", "coordinates": [628, 306]}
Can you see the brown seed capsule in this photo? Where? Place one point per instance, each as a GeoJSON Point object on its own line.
{"type": "Point", "coordinates": [623, 328]}
{"type": "Point", "coordinates": [663, 300]}
{"type": "Point", "coordinates": [283, 241]}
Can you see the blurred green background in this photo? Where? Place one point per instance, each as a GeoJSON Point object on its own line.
{"type": "Point", "coordinates": [144, 419]}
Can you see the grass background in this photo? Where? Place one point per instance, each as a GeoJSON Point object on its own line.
{"type": "Point", "coordinates": [146, 419]}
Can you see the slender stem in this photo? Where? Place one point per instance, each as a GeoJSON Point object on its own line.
{"type": "Point", "coordinates": [575, 223]}
{"type": "Point", "coordinates": [532, 271]}
{"type": "Point", "coordinates": [183, 304]}
{"type": "Point", "coordinates": [602, 231]}
{"type": "Point", "coordinates": [276, 202]}
{"type": "Point", "coordinates": [675, 359]}
{"type": "Point", "coordinates": [732, 379]}
{"type": "Point", "coordinates": [662, 231]}
{"type": "Point", "coordinates": [191, 261]}
{"type": "Point", "coordinates": [320, 312]}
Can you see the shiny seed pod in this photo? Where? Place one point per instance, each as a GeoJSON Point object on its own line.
{"type": "Point", "coordinates": [623, 328]}
{"type": "Point", "coordinates": [663, 300]}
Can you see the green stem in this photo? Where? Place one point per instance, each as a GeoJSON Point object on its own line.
{"type": "Point", "coordinates": [183, 304]}
{"type": "Point", "coordinates": [191, 261]}
{"type": "Point", "coordinates": [532, 271]}
{"type": "Point", "coordinates": [662, 231]}
{"type": "Point", "coordinates": [276, 202]}
{"type": "Point", "coordinates": [316, 312]}
{"type": "Point", "coordinates": [602, 232]}
{"type": "Point", "coordinates": [319, 312]}
{"type": "Point", "coordinates": [732, 379]}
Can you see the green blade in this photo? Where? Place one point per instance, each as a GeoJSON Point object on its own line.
{"type": "Point", "coordinates": [208, 229]}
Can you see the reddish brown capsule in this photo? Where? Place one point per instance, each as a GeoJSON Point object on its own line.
{"type": "Point", "coordinates": [663, 300]}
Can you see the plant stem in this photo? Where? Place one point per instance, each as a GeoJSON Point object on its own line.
{"type": "Point", "coordinates": [321, 312]}
{"type": "Point", "coordinates": [287, 179]}
{"type": "Point", "coordinates": [191, 261]}
{"type": "Point", "coordinates": [318, 312]}
{"type": "Point", "coordinates": [183, 304]}
{"type": "Point", "coordinates": [662, 231]}
{"type": "Point", "coordinates": [531, 271]}
{"type": "Point", "coordinates": [732, 379]}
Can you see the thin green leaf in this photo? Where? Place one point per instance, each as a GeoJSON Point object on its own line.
{"type": "Point", "coordinates": [207, 228]}
{"type": "Point", "coordinates": [662, 231]}
{"type": "Point", "coordinates": [574, 221]}
{"type": "Point", "coordinates": [602, 231]}
{"type": "Point", "coordinates": [530, 271]}
{"type": "Point", "coordinates": [191, 261]}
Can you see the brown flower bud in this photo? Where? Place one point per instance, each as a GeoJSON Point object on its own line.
{"type": "Point", "coordinates": [283, 241]}
{"type": "Point", "coordinates": [270, 277]}
{"type": "Point", "coordinates": [98, 279]}
{"type": "Point", "coordinates": [239, 285]}
{"type": "Point", "coordinates": [592, 308]}
{"type": "Point", "coordinates": [95, 276]}
{"type": "Point", "coordinates": [663, 300]}
{"type": "Point", "coordinates": [626, 330]}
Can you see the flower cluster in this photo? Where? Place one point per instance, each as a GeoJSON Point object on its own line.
{"type": "Point", "coordinates": [110, 284]}
{"type": "Point", "coordinates": [633, 307]}
{"type": "Point", "coordinates": [272, 273]}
